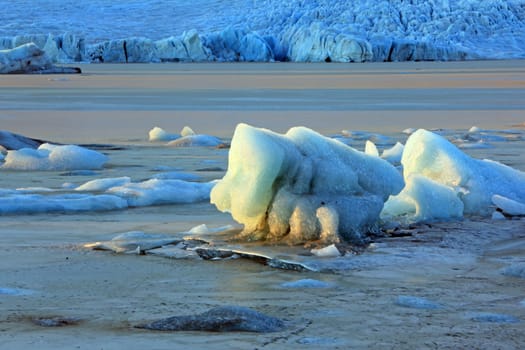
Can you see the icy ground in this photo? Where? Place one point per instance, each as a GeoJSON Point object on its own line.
{"type": "Point", "coordinates": [265, 30]}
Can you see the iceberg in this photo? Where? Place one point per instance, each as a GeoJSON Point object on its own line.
{"type": "Point", "coordinates": [186, 138]}
{"type": "Point", "coordinates": [29, 58]}
{"type": "Point", "coordinates": [54, 157]}
{"type": "Point", "coordinates": [302, 186]}
{"type": "Point", "coordinates": [443, 182]}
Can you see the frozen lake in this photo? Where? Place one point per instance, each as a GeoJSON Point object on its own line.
{"type": "Point", "coordinates": [376, 302]}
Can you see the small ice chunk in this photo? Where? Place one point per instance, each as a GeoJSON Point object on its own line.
{"type": "Point", "coordinates": [474, 130]}
{"type": "Point", "coordinates": [196, 140]}
{"type": "Point", "coordinates": [16, 291]}
{"type": "Point", "coordinates": [494, 318]}
{"type": "Point", "coordinates": [159, 134]}
{"type": "Point", "coordinates": [508, 206]}
{"type": "Point", "coordinates": [409, 131]}
{"type": "Point", "coordinates": [306, 283]}
{"type": "Point", "coordinates": [393, 155]}
{"type": "Point", "coordinates": [424, 199]}
{"type": "Point", "coordinates": [371, 149]}
{"type": "Point", "coordinates": [326, 252]}
{"type": "Point", "coordinates": [102, 185]}
{"type": "Point", "coordinates": [54, 157]}
{"type": "Point", "coordinates": [496, 215]}
{"type": "Point", "coordinates": [199, 230]}
{"type": "Point", "coordinates": [515, 270]}
{"type": "Point", "coordinates": [187, 131]}
{"type": "Point", "coordinates": [177, 175]}
{"type": "Point", "coordinates": [416, 302]}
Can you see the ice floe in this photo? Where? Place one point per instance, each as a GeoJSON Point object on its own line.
{"type": "Point", "coordinates": [54, 157]}
{"type": "Point", "coordinates": [104, 194]}
{"type": "Point", "coordinates": [186, 138]}
{"type": "Point", "coordinates": [417, 302]}
{"type": "Point", "coordinates": [306, 283]}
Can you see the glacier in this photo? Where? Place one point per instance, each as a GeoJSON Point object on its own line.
{"type": "Point", "coordinates": [271, 30]}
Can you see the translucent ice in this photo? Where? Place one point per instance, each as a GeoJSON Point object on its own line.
{"type": "Point", "coordinates": [54, 157]}
{"type": "Point", "coordinates": [440, 179]}
{"type": "Point", "coordinates": [302, 186]}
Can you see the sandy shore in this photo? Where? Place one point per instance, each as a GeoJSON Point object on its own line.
{"type": "Point", "coordinates": [122, 102]}
{"type": "Point", "coordinates": [458, 266]}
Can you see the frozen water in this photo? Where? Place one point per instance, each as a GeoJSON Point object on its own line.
{"type": "Point", "coordinates": [16, 291]}
{"type": "Point", "coordinates": [302, 186]}
{"type": "Point", "coordinates": [306, 283]}
{"type": "Point", "coordinates": [509, 206]}
{"type": "Point", "coordinates": [103, 195]}
{"type": "Point", "coordinates": [186, 138]}
{"type": "Point", "coordinates": [494, 318]}
{"type": "Point", "coordinates": [54, 157]}
{"type": "Point", "coordinates": [196, 140]}
{"type": "Point", "coordinates": [159, 134]}
{"type": "Point", "coordinates": [442, 181]}
{"type": "Point", "coordinates": [67, 203]}
{"type": "Point", "coordinates": [515, 270]}
{"type": "Point", "coordinates": [416, 302]}
{"type": "Point", "coordinates": [262, 30]}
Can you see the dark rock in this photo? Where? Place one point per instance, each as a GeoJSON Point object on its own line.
{"type": "Point", "coordinates": [219, 319]}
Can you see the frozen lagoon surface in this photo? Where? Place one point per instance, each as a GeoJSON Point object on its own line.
{"type": "Point", "coordinates": [442, 263]}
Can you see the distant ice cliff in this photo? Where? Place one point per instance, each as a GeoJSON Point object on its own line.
{"type": "Point", "coordinates": [295, 30]}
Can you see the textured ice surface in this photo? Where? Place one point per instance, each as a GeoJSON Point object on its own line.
{"type": "Point", "coordinates": [443, 182]}
{"type": "Point", "coordinates": [54, 157]}
{"type": "Point", "coordinates": [302, 186]}
{"type": "Point", "coordinates": [417, 302]}
{"type": "Point", "coordinates": [246, 30]}
{"type": "Point", "coordinates": [103, 195]}
{"type": "Point", "coordinates": [306, 283]}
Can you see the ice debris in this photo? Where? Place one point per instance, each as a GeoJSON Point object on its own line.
{"type": "Point", "coordinates": [54, 157]}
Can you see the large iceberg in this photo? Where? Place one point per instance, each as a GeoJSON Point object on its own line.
{"type": "Point", "coordinates": [302, 186]}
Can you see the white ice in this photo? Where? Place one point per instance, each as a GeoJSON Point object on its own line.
{"type": "Point", "coordinates": [302, 186]}
{"type": "Point", "coordinates": [237, 30]}
{"type": "Point", "coordinates": [54, 157]}
{"type": "Point", "coordinates": [443, 182]}
{"type": "Point", "coordinates": [186, 138]}
{"type": "Point", "coordinates": [103, 195]}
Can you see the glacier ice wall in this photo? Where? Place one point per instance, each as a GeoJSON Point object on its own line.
{"type": "Point", "coordinates": [311, 31]}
